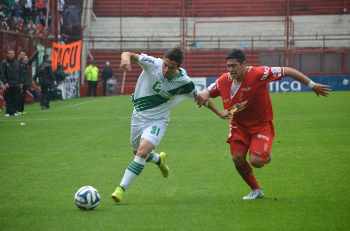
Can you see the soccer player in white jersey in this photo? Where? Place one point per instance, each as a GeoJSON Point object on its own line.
{"type": "Point", "coordinates": [161, 85]}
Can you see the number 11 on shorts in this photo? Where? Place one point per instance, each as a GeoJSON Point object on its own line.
{"type": "Point", "coordinates": [155, 130]}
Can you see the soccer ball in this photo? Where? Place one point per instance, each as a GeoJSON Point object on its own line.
{"type": "Point", "coordinates": [87, 198]}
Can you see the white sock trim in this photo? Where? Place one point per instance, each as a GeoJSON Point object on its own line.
{"type": "Point", "coordinates": [139, 160]}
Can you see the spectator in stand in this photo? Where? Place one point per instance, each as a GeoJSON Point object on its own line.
{"type": "Point", "coordinates": [40, 19]}
{"type": "Point", "coordinates": [10, 72]}
{"type": "Point", "coordinates": [8, 7]}
{"type": "Point", "coordinates": [2, 10]}
{"type": "Point", "coordinates": [28, 10]}
{"type": "Point", "coordinates": [5, 16]}
{"type": "Point", "coordinates": [40, 6]}
{"type": "Point", "coordinates": [17, 12]}
{"type": "Point", "coordinates": [30, 28]}
{"type": "Point", "coordinates": [107, 73]}
{"type": "Point", "coordinates": [16, 15]}
{"type": "Point", "coordinates": [40, 30]}
{"type": "Point", "coordinates": [20, 25]}
{"type": "Point", "coordinates": [91, 75]}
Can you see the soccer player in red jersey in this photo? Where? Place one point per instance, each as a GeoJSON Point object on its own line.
{"type": "Point", "coordinates": [245, 96]}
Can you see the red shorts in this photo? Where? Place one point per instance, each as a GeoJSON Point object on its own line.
{"type": "Point", "coordinates": [258, 140]}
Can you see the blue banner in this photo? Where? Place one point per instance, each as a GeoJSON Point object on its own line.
{"type": "Point", "coordinates": [287, 84]}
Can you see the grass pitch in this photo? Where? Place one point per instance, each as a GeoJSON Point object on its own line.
{"type": "Point", "coordinates": [86, 141]}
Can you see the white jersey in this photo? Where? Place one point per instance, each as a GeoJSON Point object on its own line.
{"type": "Point", "coordinates": [154, 94]}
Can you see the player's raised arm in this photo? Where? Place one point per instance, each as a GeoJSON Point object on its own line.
{"type": "Point", "coordinates": [319, 89]}
{"type": "Point", "coordinates": [127, 58]}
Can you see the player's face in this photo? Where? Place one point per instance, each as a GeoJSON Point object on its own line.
{"type": "Point", "coordinates": [235, 68]}
{"type": "Point", "coordinates": [170, 68]}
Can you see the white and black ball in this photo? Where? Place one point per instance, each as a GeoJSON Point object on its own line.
{"type": "Point", "coordinates": [87, 198]}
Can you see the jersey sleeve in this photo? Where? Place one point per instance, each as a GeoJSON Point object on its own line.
{"type": "Point", "coordinates": [272, 73]}
{"type": "Point", "coordinates": [214, 90]}
{"type": "Point", "coordinates": [147, 61]}
{"type": "Point", "coordinates": [186, 86]}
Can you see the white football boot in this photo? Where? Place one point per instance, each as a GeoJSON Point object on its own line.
{"type": "Point", "coordinates": [253, 195]}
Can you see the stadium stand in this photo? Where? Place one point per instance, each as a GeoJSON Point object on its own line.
{"type": "Point", "coordinates": [218, 8]}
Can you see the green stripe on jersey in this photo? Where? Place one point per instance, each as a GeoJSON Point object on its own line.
{"type": "Point", "coordinates": [153, 101]}
{"type": "Point", "coordinates": [184, 89]}
{"type": "Point", "coordinates": [149, 102]}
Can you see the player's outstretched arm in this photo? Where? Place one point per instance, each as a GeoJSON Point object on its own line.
{"type": "Point", "coordinates": [222, 114]}
{"type": "Point", "coordinates": [202, 97]}
{"type": "Point", "coordinates": [126, 59]}
{"type": "Point", "coordinates": [319, 89]}
{"type": "Point", "coordinates": [227, 114]}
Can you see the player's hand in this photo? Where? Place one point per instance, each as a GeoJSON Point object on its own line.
{"type": "Point", "coordinates": [238, 107]}
{"type": "Point", "coordinates": [125, 65]}
{"type": "Point", "coordinates": [225, 114]}
{"type": "Point", "coordinates": [321, 89]}
{"type": "Point", "coordinates": [202, 98]}
{"type": "Point", "coordinates": [229, 114]}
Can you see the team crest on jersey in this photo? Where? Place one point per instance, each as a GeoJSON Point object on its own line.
{"type": "Point", "coordinates": [157, 86]}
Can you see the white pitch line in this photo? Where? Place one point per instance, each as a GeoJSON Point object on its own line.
{"type": "Point", "coordinates": [77, 104]}
{"type": "Point", "coordinates": [55, 108]}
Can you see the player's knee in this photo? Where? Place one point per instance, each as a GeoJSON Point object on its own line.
{"type": "Point", "coordinates": [258, 161]}
{"type": "Point", "coordinates": [142, 152]}
{"type": "Point", "coordinates": [257, 164]}
{"type": "Point", "coordinates": [144, 148]}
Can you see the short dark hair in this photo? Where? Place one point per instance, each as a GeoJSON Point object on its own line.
{"type": "Point", "coordinates": [236, 54]}
{"type": "Point", "coordinates": [175, 54]}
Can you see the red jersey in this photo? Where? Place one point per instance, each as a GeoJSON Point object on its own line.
{"type": "Point", "coordinates": [254, 89]}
